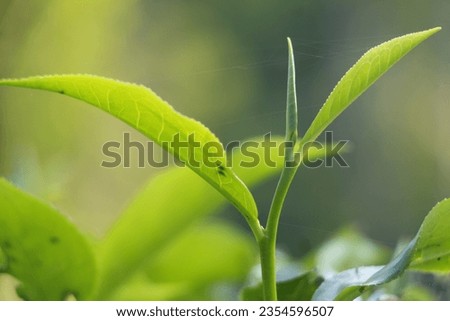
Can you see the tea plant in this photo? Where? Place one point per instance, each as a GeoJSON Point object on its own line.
{"type": "Point", "coordinates": [52, 259]}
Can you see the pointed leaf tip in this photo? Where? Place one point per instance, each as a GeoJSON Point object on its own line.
{"type": "Point", "coordinates": [291, 104]}
{"type": "Point", "coordinates": [371, 66]}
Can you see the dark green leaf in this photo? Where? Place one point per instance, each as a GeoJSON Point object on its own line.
{"type": "Point", "coordinates": [432, 252]}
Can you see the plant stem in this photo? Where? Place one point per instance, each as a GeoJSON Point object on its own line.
{"type": "Point", "coordinates": [268, 269]}
{"type": "Point", "coordinates": [267, 245]}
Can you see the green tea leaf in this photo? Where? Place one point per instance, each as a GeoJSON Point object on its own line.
{"type": "Point", "coordinates": [349, 284]}
{"type": "Point", "coordinates": [346, 285]}
{"type": "Point", "coordinates": [142, 109]}
{"type": "Point", "coordinates": [372, 65]}
{"type": "Point", "coordinates": [428, 252]}
{"type": "Point", "coordinates": [300, 288]}
{"type": "Point", "coordinates": [432, 251]}
{"type": "Point", "coordinates": [43, 250]}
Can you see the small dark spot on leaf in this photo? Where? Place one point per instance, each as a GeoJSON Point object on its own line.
{"type": "Point", "coordinates": [220, 168]}
{"type": "Point", "coordinates": [439, 258]}
{"type": "Point", "coordinates": [61, 91]}
{"type": "Point", "coordinates": [6, 245]}
{"type": "Point", "coordinates": [361, 289]}
{"type": "Point", "coordinates": [54, 240]}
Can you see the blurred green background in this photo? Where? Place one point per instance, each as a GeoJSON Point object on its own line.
{"type": "Point", "coordinates": [225, 63]}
